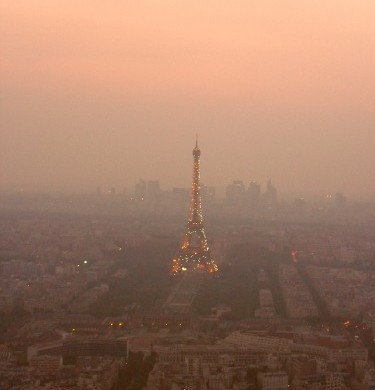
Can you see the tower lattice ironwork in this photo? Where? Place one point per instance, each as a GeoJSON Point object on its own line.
{"type": "Point", "coordinates": [194, 253]}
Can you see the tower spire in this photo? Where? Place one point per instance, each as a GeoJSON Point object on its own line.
{"type": "Point", "coordinates": [196, 140]}
{"type": "Point", "coordinates": [194, 253]}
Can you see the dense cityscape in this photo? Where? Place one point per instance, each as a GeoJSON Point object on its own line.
{"type": "Point", "coordinates": [91, 299]}
{"type": "Point", "coordinates": [187, 195]}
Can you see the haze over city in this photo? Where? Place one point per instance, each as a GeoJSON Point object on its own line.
{"type": "Point", "coordinates": [103, 93]}
{"type": "Point", "coordinates": [187, 195]}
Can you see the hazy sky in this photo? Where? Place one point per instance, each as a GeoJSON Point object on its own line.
{"type": "Point", "coordinates": [100, 92]}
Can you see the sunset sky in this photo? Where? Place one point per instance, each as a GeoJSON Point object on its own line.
{"type": "Point", "coordinates": [106, 92]}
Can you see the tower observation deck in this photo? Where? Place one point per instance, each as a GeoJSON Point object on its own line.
{"type": "Point", "coordinates": [194, 253]}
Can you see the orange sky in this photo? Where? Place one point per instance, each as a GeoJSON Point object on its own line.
{"type": "Point", "coordinates": [104, 92]}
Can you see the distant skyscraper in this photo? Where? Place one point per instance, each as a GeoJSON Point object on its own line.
{"type": "Point", "coordinates": [204, 191]}
{"type": "Point", "coordinates": [253, 193]}
{"type": "Point", "coordinates": [270, 196]}
{"type": "Point", "coordinates": [208, 194]}
{"type": "Point", "coordinates": [153, 190]}
{"type": "Point", "coordinates": [194, 253]}
{"type": "Point", "coordinates": [235, 192]}
{"type": "Point", "coordinates": [140, 190]}
{"type": "Point", "coordinates": [211, 194]}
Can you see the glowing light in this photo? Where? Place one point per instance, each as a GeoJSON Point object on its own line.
{"type": "Point", "coordinates": [191, 257]}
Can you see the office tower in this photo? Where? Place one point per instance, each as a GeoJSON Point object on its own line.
{"type": "Point", "coordinates": [153, 190]}
{"type": "Point", "coordinates": [235, 192]}
{"type": "Point", "coordinates": [253, 193]}
{"type": "Point", "coordinates": [140, 190]}
{"type": "Point", "coordinates": [270, 196]}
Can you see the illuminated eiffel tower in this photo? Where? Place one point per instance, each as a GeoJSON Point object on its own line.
{"type": "Point", "coordinates": [194, 253]}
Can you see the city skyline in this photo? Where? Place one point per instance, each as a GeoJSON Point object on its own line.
{"type": "Point", "coordinates": [130, 192]}
{"type": "Point", "coordinates": [187, 195]}
{"type": "Point", "coordinates": [118, 90]}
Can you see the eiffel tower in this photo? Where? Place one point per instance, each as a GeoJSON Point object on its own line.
{"type": "Point", "coordinates": [194, 253]}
